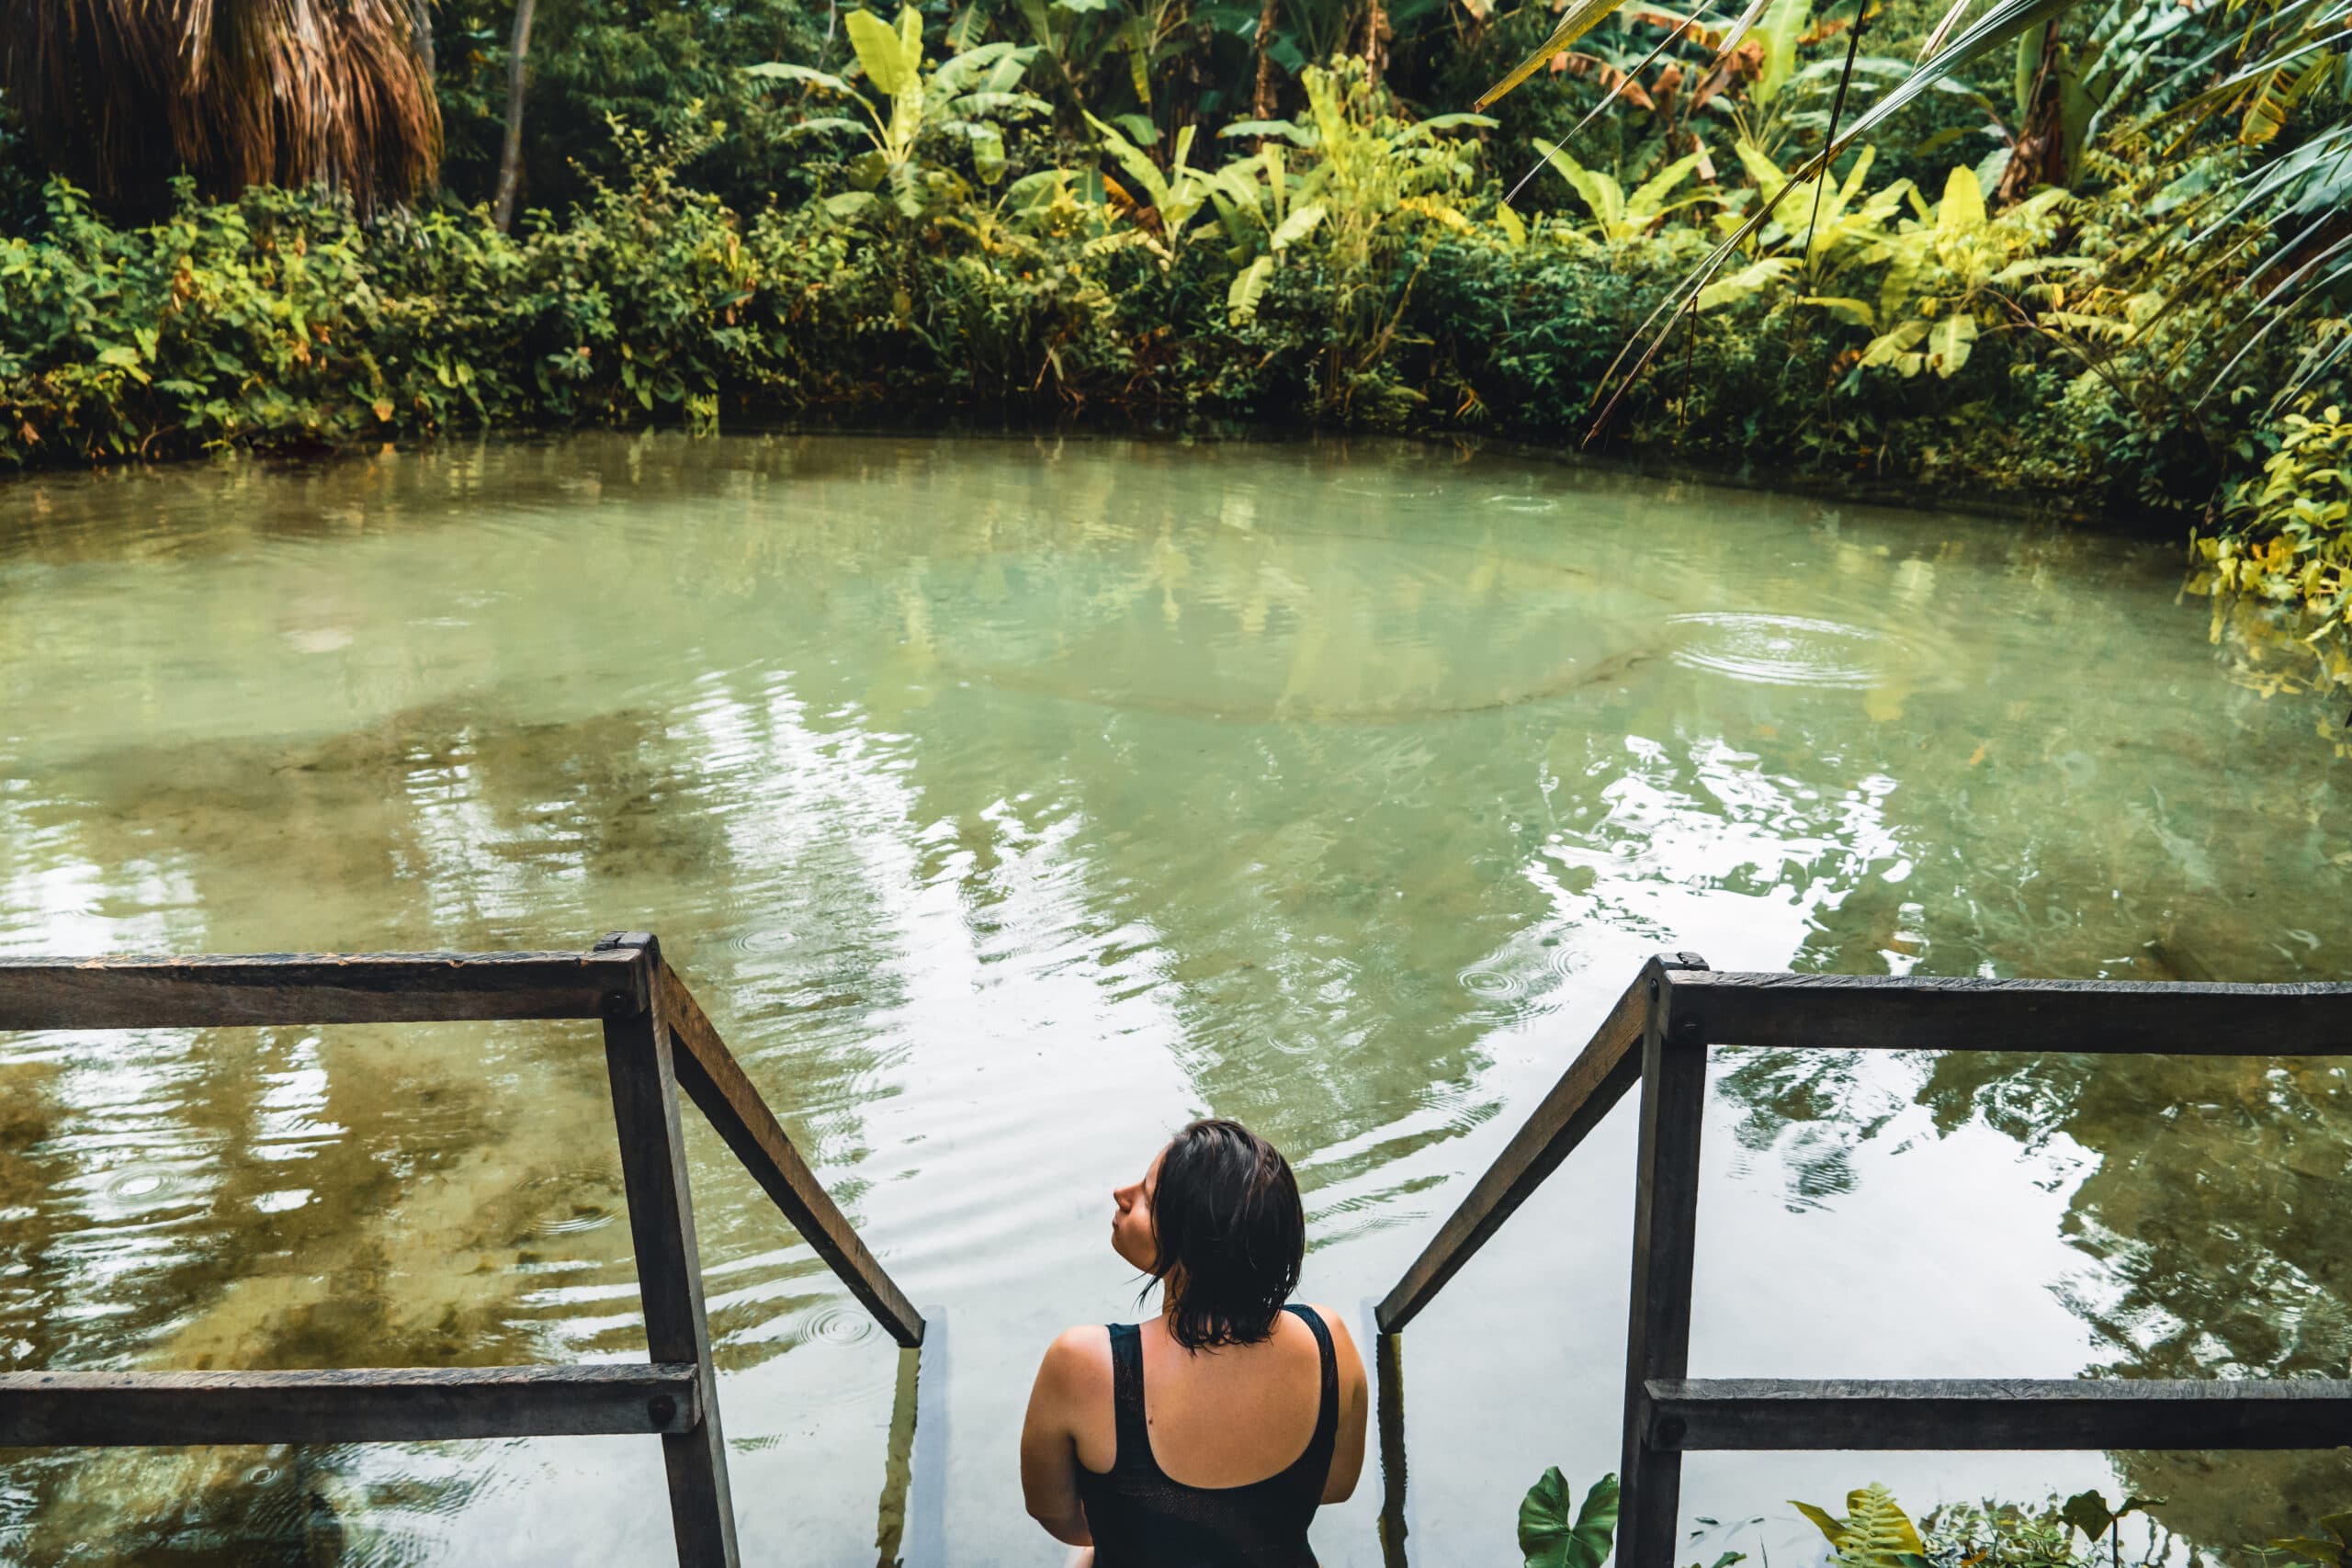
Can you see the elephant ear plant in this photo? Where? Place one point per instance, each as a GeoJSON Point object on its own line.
{"type": "Point", "coordinates": [1553, 1537]}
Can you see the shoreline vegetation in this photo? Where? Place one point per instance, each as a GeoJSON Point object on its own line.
{"type": "Point", "coordinates": [2083, 1531]}
{"type": "Point", "coordinates": [2011, 296]}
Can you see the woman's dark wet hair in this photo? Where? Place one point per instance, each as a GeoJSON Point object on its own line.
{"type": "Point", "coordinates": [1230, 1234]}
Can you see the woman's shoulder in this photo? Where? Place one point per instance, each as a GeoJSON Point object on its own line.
{"type": "Point", "coordinates": [1344, 1344]}
{"type": "Point", "coordinates": [1079, 1357]}
{"type": "Point", "coordinates": [1332, 1320]}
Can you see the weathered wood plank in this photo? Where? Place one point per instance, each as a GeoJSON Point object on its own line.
{"type": "Point", "coordinates": [1609, 1066]}
{"type": "Point", "coordinates": [313, 987]}
{"type": "Point", "coordinates": [361, 1405]}
{"type": "Point", "coordinates": [1665, 1223]}
{"type": "Point", "coordinates": [1999, 1413]}
{"type": "Point", "coordinates": [1887, 1012]}
{"type": "Point", "coordinates": [669, 1265]}
{"type": "Point", "coordinates": [715, 1081]}
{"type": "Point", "coordinates": [1395, 1496]}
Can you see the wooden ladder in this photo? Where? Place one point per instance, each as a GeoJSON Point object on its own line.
{"type": "Point", "coordinates": [1659, 1036]}
{"type": "Point", "coordinates": [657, 1041]}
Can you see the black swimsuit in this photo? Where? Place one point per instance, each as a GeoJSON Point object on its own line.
{"type": "Point", "coordinates": [1141, 1518]}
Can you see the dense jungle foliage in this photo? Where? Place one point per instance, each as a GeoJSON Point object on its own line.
{"type": "Point", "coordinates": [2089, 255]}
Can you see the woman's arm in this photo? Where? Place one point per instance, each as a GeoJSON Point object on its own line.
{"type": "Point", "coordinates": [1075, 1371]}
{"type": "Point", "coordinates": [1355, 1408]}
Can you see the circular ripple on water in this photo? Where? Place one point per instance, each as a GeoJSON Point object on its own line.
{"type": "Point", "coordinates": [1389, 492]}
{"type": "Point", "coordinates": [837, 1322]}
{"type": "Point", "coordinates": [1492, 985]}
{"type": "Point", "coordinates": [573, 1202]}
{"type": "Point", "coordinates": [1508, 503]}
{"type": "Point", "coordinates": [1780, 650]}
{"type": "Point", "coordinates": [144, 1186]}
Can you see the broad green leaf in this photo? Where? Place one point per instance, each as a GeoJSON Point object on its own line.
{"type": "Point", "coordinates": [1842, 307]}
{"type": "Point", "coordinates": [876, 45]}
{"type": "Point", "coordinates": [1299, 224]}
{"type": "Point", "coordinates": [911, 41]}
{"type": "Point", "coordinates": [1747, 280]}
{"type": "Point", "coordinates": [1032, 192]}
{"type": "Point", "coordinates": [1550, 1537]}
{"type": "Point", "coordinates": [784, 71]}
{"type": "Point", "coordinates": [1649, 198]}
{"type": "Point", "coordinates": [987, 154]}
{"type": "Point", "coordinates": [1962, 211]}
{"type": "Point", "coordinates": [1137, 36]}
{"type": "Point", "coordinates": [1131, 158]}
{"type": "Point", "coordinates": [121, 353]}
{"type": "Point", "coordinates": [1010, 104]}
{"type": "Point", "coordinates": [1289, 131]}
{"type": "Point", "coordinates": [828, 125]}
{"type": "Point", "coordinates": [1783, 24]}
{"type": "Point", "coordinates": [849, 203]}
{"type": "Point", "coordinates": [1138, 127]}
{"type": "Point", "coordinates": [906, 192]}
{"type": "Point", "coordinates": [1823, 1520]}
{"type": "Point", "coordinates": [1602, 196]}
{"type": "Point", "coordinates": [1579, 19]}
{"type": "Point", "coordinates": [1949, 343]}
{"type": "Point", "coordinates": [1510, 224]}
{"type": "Point", "coordinates": [1248, 287]}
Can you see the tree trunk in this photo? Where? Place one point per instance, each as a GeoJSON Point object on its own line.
{"type": "Point", "coordinates": [2038, 156]}
{"type": "Point", "coordinates": [510, 157]}
{"type": "Point", "coordinates": [420, 30]}
{"type": "Point", "coordinates": [1376, 33]}
{"type": "Point", "coordinates": [1261, 101]}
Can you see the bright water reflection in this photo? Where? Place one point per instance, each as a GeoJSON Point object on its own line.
{"type": "Point", "coordinates": [1008, 801]}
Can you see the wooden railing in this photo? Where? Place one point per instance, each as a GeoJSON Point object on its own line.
{"type": "Point", "coordinates": [1658, 1034]}
{"type": "Point", "coordinates": [656, 1041]}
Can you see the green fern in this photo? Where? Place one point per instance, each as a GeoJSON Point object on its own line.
{"type": "Point", "coordinates": [1875, 1532]}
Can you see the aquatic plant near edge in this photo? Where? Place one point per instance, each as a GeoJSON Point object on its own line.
{"type": "Point", "coordinates": [1875, 1532]}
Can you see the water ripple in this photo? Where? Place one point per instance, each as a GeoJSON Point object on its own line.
{"type": "Point", "coordinates": [1780, 650]}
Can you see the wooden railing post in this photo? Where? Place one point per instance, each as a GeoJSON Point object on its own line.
{"type": "Point", "coordinates": [1665, 1212]}
{"type": "Point", "coordinates": [669, 1265]}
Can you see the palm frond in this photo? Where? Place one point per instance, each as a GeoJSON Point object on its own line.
{"type": "Point", "coordinates": [119, 93]}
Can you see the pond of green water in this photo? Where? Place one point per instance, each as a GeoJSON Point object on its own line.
{"type": "Point", "coordinates": [1007, 803]}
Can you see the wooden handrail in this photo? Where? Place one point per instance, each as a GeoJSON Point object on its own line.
{"type": "Point", "coordinates": [656, 1041]}
{"type": "Point", "coordinates": [1608, 1066]}
{"type": "Point", "coordinates": [1916, 1012]}
{"type": "Point", "coordinates": [716, 1084]}
{"type": "Point", "coordinates": [368, 1404]}
{"type": "Point", "coordinates": [1660, 1034]}
{"type": "Point", "coordinates": [2004, 1414]}
{"type": "Point", "coordinates": [315, 987]}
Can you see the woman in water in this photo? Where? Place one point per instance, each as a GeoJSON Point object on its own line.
{"type": "Point", "coordinates": [1206, 1438]}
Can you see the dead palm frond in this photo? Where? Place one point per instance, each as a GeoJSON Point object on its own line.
{"type": "Point", "coordinates": [119, 94]}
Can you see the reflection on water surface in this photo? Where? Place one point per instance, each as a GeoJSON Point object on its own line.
{"type": "Point", "coordinates": [1009, 802]}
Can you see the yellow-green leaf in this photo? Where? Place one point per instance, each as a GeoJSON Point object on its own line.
{"type": "Point", "coordinates": [1962, 210]}
{"type": "Point", "coordinates": [1949, 343]}
{"type": "Point", "coordinates": [1582, 17]}
{"type": "Point", "coordinates": [878, 49]}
